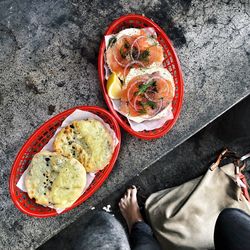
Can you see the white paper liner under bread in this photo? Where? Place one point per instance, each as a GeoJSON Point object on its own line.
{"type": "Point", "coordinates": [145, 125]}
{"type": "Point", "coordinates": [77, 115]}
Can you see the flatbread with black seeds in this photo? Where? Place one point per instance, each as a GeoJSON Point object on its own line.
{"type": "Point", "coordinates": [88, 141]}
{"type": "Point", "coordinates": [55, 180]}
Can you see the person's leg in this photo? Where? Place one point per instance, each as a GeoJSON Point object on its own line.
{"type": "Point", "coordinates": [141, 235]}
{"type": "Point", "coordinates": [232, 230]}
{"type": "Point", "coordinates": [102, 232]}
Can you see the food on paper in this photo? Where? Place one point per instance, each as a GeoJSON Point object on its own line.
{"type": "Point", "coordinates": [136, 58]}
{"type": "Point", "coordinates": [146, 94]}
{"type": "Point", "coordinates": [114, 86]}
{"type": "Point", "coordinates": [54, 180]}
{"type": "Point", "coordinates": [133, 48]}
{"type": "Point", "coordinates": [88, 141]}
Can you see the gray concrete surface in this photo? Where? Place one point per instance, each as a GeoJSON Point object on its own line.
{"type": "Point", "coordinates": [48, 63]}
{"type": "Point", "coordinates": [190, 160]}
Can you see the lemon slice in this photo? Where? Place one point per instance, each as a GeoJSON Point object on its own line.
{"type": "Point", "coordinates": [114, 87]}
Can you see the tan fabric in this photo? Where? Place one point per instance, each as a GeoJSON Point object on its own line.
{"type": "Point", "coordinates": [184, 217]}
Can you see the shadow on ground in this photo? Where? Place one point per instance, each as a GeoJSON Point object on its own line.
{"type": "Point", "coordinates": [189, 160]}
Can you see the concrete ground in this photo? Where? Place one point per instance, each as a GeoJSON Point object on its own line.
{"type": "Point", "coordinates": [189, 160]}
{"type": "Point", "coordinates": [48, 63]}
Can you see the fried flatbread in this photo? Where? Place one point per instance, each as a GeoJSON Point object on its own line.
{"type": "Point", "coordinates": [88, 141]}
{"type": "Point", "coordinates": [55, 180]}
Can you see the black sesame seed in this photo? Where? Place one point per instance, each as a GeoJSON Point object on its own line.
{"type": "Point", "coordinates": [72, 126]}
{"type": "Point", "coordinates": [47, 159]}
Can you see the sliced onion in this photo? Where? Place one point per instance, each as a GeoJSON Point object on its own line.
{"type": "Point", "coordinates": [157, 110]}
{"type": "Point", "coordinates": [134, 103]}
{"type": "Point", "coordinates": [147, 93]}
{"type": "Point", "coordinates": [153, 77]}
{"type": "Point", "coordinates": [133, 44]}
{"type": "Point", "coordinates": [129, 64]}
{"type": "Point", "coordinates": [168, 90]}
{"type": "Point", "coordinates": [158, 78]}
{"type": "Point", "coordinates": [131, 53]}
{"type": "Point", "coordinates": [115, 57]}
{"type": "Point", "coordinates": [149, 98]}
{"type": "Point", "coordinates": [132, 85]}
{"type": "Point", "coordinates": [121, 64]}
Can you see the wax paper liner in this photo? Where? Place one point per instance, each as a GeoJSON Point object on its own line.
{"type": "Point", "coordinates": [146, 125]}
{"type": "Point", "coordinates": [76, 115]}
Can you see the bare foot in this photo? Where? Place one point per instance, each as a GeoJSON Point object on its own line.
{"type": "Point", "coordinates": [129, 207]}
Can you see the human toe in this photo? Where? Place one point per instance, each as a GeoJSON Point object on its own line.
{"type": "Point", "coordinates": [129, 191]}
{"type": "Point", "coordinates": [134, 194]}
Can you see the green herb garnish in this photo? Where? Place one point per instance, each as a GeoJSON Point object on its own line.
{"type": "Point", "coordinates": [142, 111]}
{"type": "Point", "coordinates": [123, 53]}
{"type": "Point", "coordinates": [151, 104]}
{"type": "Point", "coordinates": [124, 50]}
{"type": "Point", "coordinates": [112, 41]}
{"type": "Point", "coordinates": [143, 87]}
{"type": "Point", "coordinates": [144, 55]}
{"type": "Point", "coordinates": [126, 45]}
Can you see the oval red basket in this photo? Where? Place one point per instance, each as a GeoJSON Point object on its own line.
{"type": "Point", "coordinates": [171, 62]}
{"type": "Point", "coordinates": [36, 142]}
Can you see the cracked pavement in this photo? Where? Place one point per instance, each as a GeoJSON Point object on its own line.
{"type": "Point", "coordinates": [48, 63]}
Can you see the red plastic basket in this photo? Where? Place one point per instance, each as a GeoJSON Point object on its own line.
{"type": "Point", "coordinates": [171, 62]}
{"type": "Point", "coordinates": [36, 142]}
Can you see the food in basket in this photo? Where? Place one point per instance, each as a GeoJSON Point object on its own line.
{"type": "Point", "coordinates": [88, 141]}
{"type": "Point", "coordinates": [133, 48]}
{"type": "Point", "coordinates": [114, 86]}
{"type": "Point", "coordinates": [135, 57]}
{"type": "Point", "coordinates": [54, 180]}
{"type": "Point", "coordinates": [147, 93]}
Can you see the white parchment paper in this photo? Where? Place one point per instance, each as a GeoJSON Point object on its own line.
{"type": "Point", "coordinates": [77, 115]}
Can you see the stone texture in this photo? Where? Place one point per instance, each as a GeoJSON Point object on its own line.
{"type": "Point", "coordinates": [48, 63]}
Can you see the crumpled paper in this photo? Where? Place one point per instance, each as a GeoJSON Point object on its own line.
{"type": "Point", "coordinates": [77, 115]}
{"type": "Point", "coordinates": [145, 125]}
